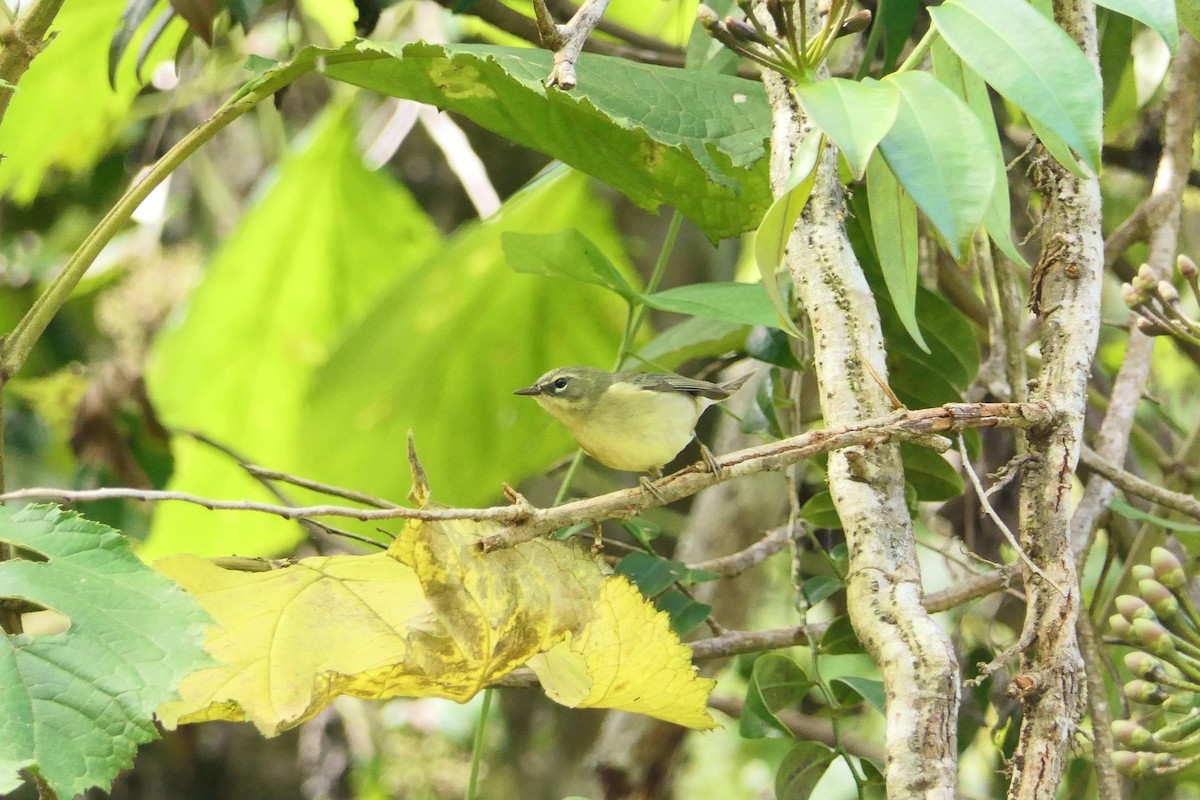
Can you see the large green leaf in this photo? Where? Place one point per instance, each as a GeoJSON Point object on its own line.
{"type": "Point", "coordinates": [64, 113]}
{"type": "Point", "coordinates": [776, 683]}
{"type": "Point", "coordinates": [741, 303]}
{"type": "Point", "coordinates": [855, 116]}
{"type": "Point", "coordinates": [74, 705]}
{"type": "Point", "coordinates": [693, 139]}
{"type": "Point", "coordinates": [802, 768]}
{"type": "Point", "coordinates": [327, 238]}
{"type": "Point", "coordinates": [564, 254]}
{"type": "Point", "coordinates": [966, 83]}
{"type": "Point", "coordinates": [1032, 63]}
{"type": "Point", "coordinates": [934, 150]}
{"type": "Point", "coordinates": [443, 349]}
{"type": "Point", "coordinates": [1158, 15]}
{"type": "Point", "coordinates": [930, 474]}
{"type": "Point", "coordinates": [894, 225]}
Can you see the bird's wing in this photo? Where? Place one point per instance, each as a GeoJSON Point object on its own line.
{"type": "Point", "coordinates": [677, 383]}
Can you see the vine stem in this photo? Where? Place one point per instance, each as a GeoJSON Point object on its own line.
{"type": "Point", "coordinates": [477, 746]}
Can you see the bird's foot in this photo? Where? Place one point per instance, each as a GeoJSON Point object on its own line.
{"type": "Point", "coordinates": [710, 461]}
{"type": "Point", "coordinates": [648, 488]}
{"type": "Point", "coordinates": [597, 537]}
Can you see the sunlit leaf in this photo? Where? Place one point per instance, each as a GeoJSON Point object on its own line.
{"type": "Point", "coordinates": [740, 303]}
{"type": "Point", "coordinates": [855, 116]}
{"type": "Point", "coordinates": [566, 253]}
{"type": "Point", "coordinates": [894, 225]}
{"type": "Point", "coordinates": [1158, 15]}
{"type": "Point", "coordinates": [1032, 63]}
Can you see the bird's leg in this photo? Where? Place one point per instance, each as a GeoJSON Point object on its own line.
{"type": "Point", "coordinates": [649, 488]}
{"type": "Point", "coordinates": [597, 536]}
{"type": "Point", "coordinates": [710, 461]}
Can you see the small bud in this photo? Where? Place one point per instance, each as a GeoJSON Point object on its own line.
{"type": "Point", "coordinates": [707, 18]}
{"type": "Point", "coordinates": [856, 24]}
{"type": "Point", "coordinates": [1131, 734]}
{"type": "Point", "coordinates": [742, 31]}
{"type": "Point", "coordinates": [1141, 572]}
{"type": "Point", "coordinates": [1186, 267]}
{"type": "Point", "coordinates": [1143, 665]}
{"type": "Point", "coordinates": [1152, 636]}
{"type": "Point", "coordinates": [1150, 328]}
{"type": "Point", "coordinates": [1131, 296]}
{"type": "Point", "coordinates": [1168, 293]}
{"type": "Point", "coordinates": [1140, 691]}
{"type": "Point", "coordinates": [1119, 626]}
{"type": "Point", "coordinates": [1167, 568]}
{"type": "Point", "coordinates": [1132, 765]}
{"type": "Point", "coordinates": [1146, 275]}
{"type": "Point", "coordinates": [1165, 605]}
{"type": "Point", "coordinates": [1132, 607]}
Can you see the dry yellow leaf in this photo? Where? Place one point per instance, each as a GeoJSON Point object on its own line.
{"type": "Point", "coordinates": [431, 617]}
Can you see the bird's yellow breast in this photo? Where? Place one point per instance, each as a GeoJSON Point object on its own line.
{"type": "Point", "coordinates": [629, 428]}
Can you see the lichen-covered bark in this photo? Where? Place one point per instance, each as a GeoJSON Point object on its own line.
{"type": "Point", "coordinates": [916, 659]}
{"type": "Point", "coordinates": [1049, 683]}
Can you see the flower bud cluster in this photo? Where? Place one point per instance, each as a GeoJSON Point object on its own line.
{"type": "Point", "coordinates": [788, 50]}
{"type": "Point", "coordinates": [1157, 305]}
{"type": "Point", "coordinates": [1164, 627]}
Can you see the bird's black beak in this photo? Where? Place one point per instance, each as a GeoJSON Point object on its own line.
{"type": "Point", "coordinates": [529, 390]}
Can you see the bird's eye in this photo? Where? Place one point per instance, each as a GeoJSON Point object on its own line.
{"type": "Point", "coordinates": [560, 384]}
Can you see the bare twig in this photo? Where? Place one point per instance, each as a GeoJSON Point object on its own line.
{"type": "Point", "coordinates": [986, 504]}
{"type": "Point", "coordinates": [967, 590]}
{"type": "Point", "coordinates": [567, 40]}
{"type": "Point", "coordinates": [737, 563]}
{"type": "Point", "coordinates": [324, 488]}
{"type": "Point", "coordinates": [1128, 482]}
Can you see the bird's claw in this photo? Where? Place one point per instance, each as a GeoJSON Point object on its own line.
{"type": "Point", "coordinates": [649, 488]}
{"type": "Point", "coordinates": [710, 461]}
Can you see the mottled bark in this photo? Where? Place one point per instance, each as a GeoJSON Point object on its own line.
{"type": "Point", "coordinates": [916, 659]}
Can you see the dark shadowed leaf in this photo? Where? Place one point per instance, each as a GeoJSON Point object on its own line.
{"type": "Point", "coordinates": [801, 770]}
{"type": "Point", "coordinates": [776, 683]}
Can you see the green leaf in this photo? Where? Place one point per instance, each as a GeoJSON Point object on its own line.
{"type": "Point", "coordinates": [244, 11]}
{"type": "Point", "coordinates": [135, 13]}
{"type": "Point", "coordinates": [76, 704]}
{"type": "Point", "coordinates": [821, 587]}
{"type": "Point", "coordinates": [776, 683]}
{"type": "Point", "coordinates": [1058, 148]}
{"type": "Point", "coordinates": [894, 226]}
{"type": "Point", "coordinates": [739, 303]}
{"type": "Point", "coordinates": [1189, 17]}
{"type": "Point", "coordinates": [443, 346]}
{"type": "Point", "coordinates": [641, 530]}
{"type": "Point", "coordinates": [868, 689]}
{"type": "Point", "coordinates": [653, 574]}
{"type": "Point", "coordinates": [68, 75]}
{"type": "Point", "coordinates": [840, 639]}
{"type": "Point", "coordinates": [564, 254]}
{"type": "Point", "coordinates": [1129, 512]}
{"type": "Point", "coordinates": [771, 238]}
{"type": "Point", "coordinates": [1117, 72]}
{"type": "Point", "coordinates": [325, 240]}
{"type": "Point", "coordinates": [1157, 15]}
{"type": "Point", "coordinates": [931, 475]}
{"type": "Point", "coordinates": [855, 116]}
{"type": "Point", "coordinates": [802, 768]}
{"type": "Point", "coordinates": [820, 513]}
{"type": "Point", "coordinates": [694, 139]}
{"type": "Point", "coordinates": [1032, 63]}
{"type": "Point", "coordinates": [933, 149]}
{"type": "Point", "coordinates": [686, 614]}
{"type": "Point", "coordinates": [966, 83]}
{"type": "Point", "coordinates": [695, 337]}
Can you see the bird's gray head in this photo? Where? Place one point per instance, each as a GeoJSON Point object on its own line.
{"type": "Point", "coordinates": [569, 387]}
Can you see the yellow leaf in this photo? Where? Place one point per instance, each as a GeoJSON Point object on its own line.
{"type": "Point", "coordinates": [431, 617]}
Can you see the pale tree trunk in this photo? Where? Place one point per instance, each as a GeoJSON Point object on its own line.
{"type": "Point", "coordinates": [915, 657]}
{"type": "Point", "coordinates": [1049, 683]}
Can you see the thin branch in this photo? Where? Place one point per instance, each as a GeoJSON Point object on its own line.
{"type": "Point", "coordinates": [737, 563]}
{"type": "Point", "coordinates": [1107, 779]}
{"type": "Point", "coordinates": [624, 503]}
{"type": "Point", "coordinates": [1128, 482]}
{"type": "Point", "coordinates": [803, 726]}
{"type": "Point", "coordinates": [568, 40]}
{"type": "Point", "coordinates": [734, 643]}
{"type": "Point", "coordinates": [965, 591]}
{"type": "Point", "coordinates": [986, 504]}
{"type": "Point", "coordinates": [324, 488]}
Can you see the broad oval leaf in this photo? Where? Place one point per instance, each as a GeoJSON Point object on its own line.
{"type": "Point", "coordinates": [1158, 15]}
{"type": "Point", "coordinates": [934, 151]}
{"type": "Point", "coordinates": [868, 689]}
{"type": "Point", "coordinates": [802, 769]}
{"type": "Point", "coordinates": [930, 475]}
{"type": "Point", "coordinates": [894, 226]}
{"type": "Point", "coordinates": [741, 303]}
{"type": "Point", "coordinates": [776, 682]}
{"type": "Point", "coordinates": [694, 139]}
{"type": "Point", "coordinates": [1031, 62]}
{"type": "Point", "coordinates": [854, 115]}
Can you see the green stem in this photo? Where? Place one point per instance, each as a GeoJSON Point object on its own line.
{"type": "Point", "coordinates": [638, 311]}
{"type": "Point", "coordinates": [20, 342]}
{"type": "Point", "coordinates": [477, 746]}
{"type": "Point", "coordinates": [864, 68]}
{"type": "Point", "coordinates": [918, 54]}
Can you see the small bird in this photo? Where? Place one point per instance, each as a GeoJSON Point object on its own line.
{"type": "Point", "coordinates": [632, 421]}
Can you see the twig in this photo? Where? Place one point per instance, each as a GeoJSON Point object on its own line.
{"type": "Point", "coordinates": [986, 504]}
{"type": "Point", "coordinates": [964, 591]}
{"type": "Point", "coordinates": [567, 40]}
{"type": "Point", "coordinates": [1108, 780]}
{"type": "Point", "coordinates": [737, 563]}
{"type": "Point", "coordinates": [324, 488]}
{"type": "Point", "coordinates": [1128, 482]}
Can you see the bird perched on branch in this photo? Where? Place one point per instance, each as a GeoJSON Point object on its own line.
{"type": "Point", "coordinates": [632, 421]}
